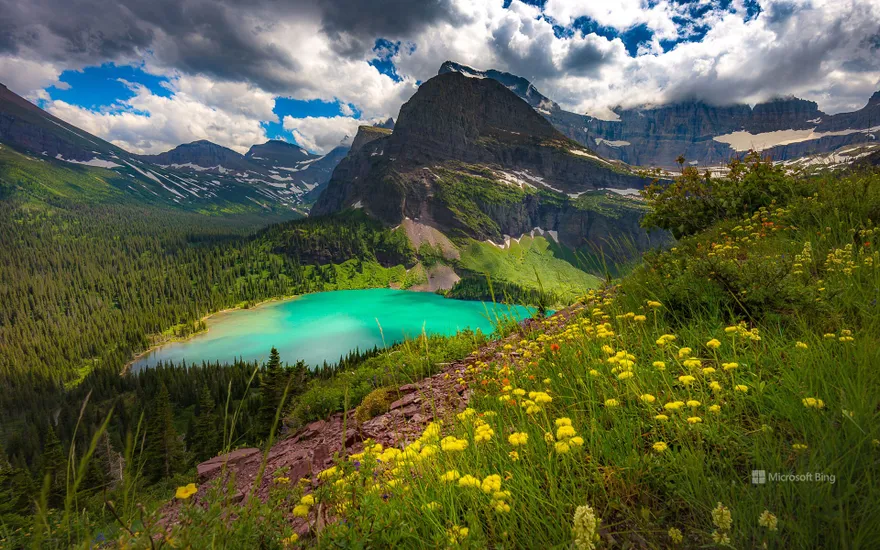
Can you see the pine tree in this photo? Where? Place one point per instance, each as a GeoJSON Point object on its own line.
{"type": "Point", "coordinates": [203, 439]}
{"type": "Point", "coordinates": [15, 492]}
{"type": "Point", "coordinates": [163, 452]}
{"type": "Point", "coordinates": [272, 384]}
{"type": "Point", "coordinates": [54, 465]}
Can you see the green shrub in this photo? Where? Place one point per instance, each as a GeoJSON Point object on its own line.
{"type": "Point", "coordinates": [695, 201]}
{"type": "Point", "coordinates": [375, 403]}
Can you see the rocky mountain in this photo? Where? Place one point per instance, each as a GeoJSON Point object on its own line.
{"type": "Point", "coordinates": [199, 175]}
{"type": "Point", "coordinates": [471, 159]}
{"type": "Point", "coordinates": [707, 135]}
{"type": "Point", "coordinates": [276, 152]}
{"type": "Point", "coordinates": [200, 154]}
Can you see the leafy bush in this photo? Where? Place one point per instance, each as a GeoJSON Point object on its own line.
{"type": "Point", "coordinates": [375, 403]}
{"type": "Point", "coordinates": [695, 201]}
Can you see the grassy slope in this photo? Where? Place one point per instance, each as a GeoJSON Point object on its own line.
{"type": "Point", "coordinates": [525, 262]}
{"type": "Point", "coordinates": [675, 385]}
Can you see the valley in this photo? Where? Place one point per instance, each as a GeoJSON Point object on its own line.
{"type": "Point", "coordinates": [486, 284]}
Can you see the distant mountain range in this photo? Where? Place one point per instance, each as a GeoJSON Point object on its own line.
{"type": "Point", "coordinates": [707, 135]}
{"type": "Point", "coordinates": [201, 175]}
{"type": "Point", "coordinates": [281, 176]}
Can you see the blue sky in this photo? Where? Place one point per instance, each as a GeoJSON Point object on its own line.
{"type": "Point", "coordinates": [153, 76]}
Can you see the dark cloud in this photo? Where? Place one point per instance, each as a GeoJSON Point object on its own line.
{"type": "Point", "coordinates": [354, 25]}
{"type": "Point", "coordinates": [219, 38]}
{"type": "Point", "coordinates": [585, 59]}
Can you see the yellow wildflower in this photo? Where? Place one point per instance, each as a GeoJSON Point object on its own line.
{"type": "Point", "coordinates": [729, 366]}
{"type": "Point", "coordinates": [301, 511]}
{"type": "Point", "coordinates": [741, 388]}
{"type": "Point", "coordinates": [713, 344]}
{"type": "Point", "coordinates": [799, 447]}
{"type": "Point", "coordinates": [451, 475]}
{"type": "Point", "coordinates": [648, 398]}
{"type": "Point", "coordinates": [721, 517]}
{"type": "Point", "coordinates": [694, 420]}
{"type": "Point", "coordinates": [611, 403]}
{"type": "Point", "coordinates": [675, 535]}
{"type": "Point", "coordinates": [186, 491]}
{"type": "Point", "coordinates": [564, 432]}
{"type": "Point", "coordinates": [768, 520]}
{"type": "Point", "coordinates": [451, 443]}
{"type": "Point", "coordinates": [660, 446]}
{"type": "Point", "coordinates": [659, 365]}
{"type": "Point", "coordinates": [468, 480]}
{"type": "Point", "coordinates": [812, 402]}
{"type": "Point", "coordinates": [692, 363]}
{"type": "Point", "coordinates": [693, 403]}
{"type": "Point", "coordinates": [801, 345]}
{"type": "Point", "coordinates": [585, 527]}
{"type": "Point", "coordinates": [514, 456]}
{"type": "Point", "coordinates": [661, 417]}
{"type": "Point", "coordinates": [308, 500]}
{"type": "Point", "coordinates": [518, 438]}
{"type": "Point", "coordinates": [673, 405]}
{"type": "Point", "coordinates": [491, 483]}
{"type": "Point", "coordinates": [687, 380]}
{"type": "Point", "coordinates": [715, 408]}
{"type": "Point", "coordinates": [625, 375]}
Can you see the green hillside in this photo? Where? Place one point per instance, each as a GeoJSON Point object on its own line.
{"type": "Point", "coordinates": [638, 417]}
{"type": "Point", "coordinates": [530, 262]}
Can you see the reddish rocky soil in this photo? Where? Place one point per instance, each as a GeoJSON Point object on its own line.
{"type": "Point", "coordinates": [312, 449]}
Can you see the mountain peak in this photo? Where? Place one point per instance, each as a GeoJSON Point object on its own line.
{"type": "Point", "coordinates": [452, 115]}
{"type": "Point", "coordinates": [517, 84]}
{"type": "Point", "coordinates": [279, 152]}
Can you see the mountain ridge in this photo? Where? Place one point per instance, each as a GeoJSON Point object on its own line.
{"type": "Point", "coordinates": [657, 135]}
{"type": "Point", "coordinates": [199, 175]}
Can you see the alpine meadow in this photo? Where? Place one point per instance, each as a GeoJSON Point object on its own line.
{"type": "Point", "coordinates": [448, 274]}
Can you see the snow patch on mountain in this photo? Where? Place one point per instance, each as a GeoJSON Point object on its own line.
{"type": "Point", "coordinates": [96, 162]}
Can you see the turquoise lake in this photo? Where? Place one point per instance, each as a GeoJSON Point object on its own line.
{"type": "Point", "coordinates": [324, 326]}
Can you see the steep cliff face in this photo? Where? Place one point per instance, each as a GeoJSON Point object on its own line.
{"type": "Point", "coordinates": [366, 134]}
{"type": "Point", "coordinates": [469, 157]}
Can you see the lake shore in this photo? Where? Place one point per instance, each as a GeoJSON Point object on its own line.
{"type": "Point", "coordinates": [156, 345]}
{"type": "Point", "coordinates": [326, 326]}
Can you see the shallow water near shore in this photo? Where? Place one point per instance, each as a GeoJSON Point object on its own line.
{"type": "Point", "coordinates": [326, 325]}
